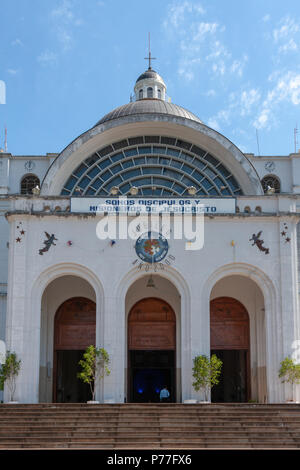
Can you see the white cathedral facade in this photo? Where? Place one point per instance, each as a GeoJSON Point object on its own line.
{"type": "Point", "coordinates": [151, 303]}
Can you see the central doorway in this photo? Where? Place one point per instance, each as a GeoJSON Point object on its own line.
{"type": "Point", "coordinates": [151, 350]}
{"type": "Point", "coordinates": [230, 342]}
{"type": "Point", "coordinates": [74, 331]}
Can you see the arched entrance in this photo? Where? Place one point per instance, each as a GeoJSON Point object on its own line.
{"type": "Point", "coordinates": [74, 330]}
{"type": "Point", "coordinates": [151, 350]}
{"type": "Point", "coordinates": [230, 341]}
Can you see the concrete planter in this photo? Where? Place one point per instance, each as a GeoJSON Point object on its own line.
{"type": "Point", "coordinates": [190, 402]}
{"type": "Point", "coordinates": [12, 402]}
{"type": "Point", "coordinates": [92, 402]}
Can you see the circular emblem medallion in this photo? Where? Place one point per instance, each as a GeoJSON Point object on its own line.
{"type": "Point", "coordinates": [151, 247]}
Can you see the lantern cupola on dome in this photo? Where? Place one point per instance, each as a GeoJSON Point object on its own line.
{"type": "Point", "coordinates": [150, 84]}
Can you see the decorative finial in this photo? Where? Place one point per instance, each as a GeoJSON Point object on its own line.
{"type": "Point", "coordinates": [149, 58]}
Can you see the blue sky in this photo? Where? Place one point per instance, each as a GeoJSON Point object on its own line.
{"type": "Point", "coordinates": [66, 63]}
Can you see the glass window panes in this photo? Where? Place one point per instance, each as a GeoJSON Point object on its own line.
{"type": "Point", "coordinates": [171, 173]}
{"type": "Point", "coordinates": [159, 150]}
{"type": "Point", "coordinates": [127, 164]}
{"type": "Point", "coordinates": [148, 170]}
{"type": "Point", "coordinates": [179, 189]}
{"type": "Point", "coordinates": [91, 191]}
{"type": "Point", "coordinates": [97, 183]}
{"type": "Point", "coordinates": [187, 168]}
{"type": "Point", "coordinates": [164, 161]}
{"type": "Point", "coordinates": [210, 173]}
{"type": "Point", "coordinates": [152, 160]}
{"type": "Point", "coordinates": [104, 164]}
{"type": "Point", "coordinates": [173, 152]}
{"type": "Point", "coordinates": [84, 182]}
{"type": "Point", "coordinates": [117, 157]}
{"type": "Point", "coordinates": [176, 163]}
{"type": "Point", "coordinates": [72, 181]}
{"type": "Point", "coordinates": [162, 182]}
{"type": "Point", "coordinates": [114, 182]}
{"type": "Point", "coordinates": [131, 173]}
{"type": "Point", "coordinates": [132, 163]}
{"type": "Point", "coordinates": [139, 161]}
{"type": "Point", "coordinates": [130, 152]}
{"type": "Point", "coordinates": [106, 175]}
{"type": "Point", "coordinates": [93, 172]}
{"type": "Point", "coordinates": [125, 188]}
{"type": "Point", "coordinates": [143, 150]}
{"type": "Point", "coordinates": [80, 170]}
{"type": "Point", "coordinates": [116, 168]}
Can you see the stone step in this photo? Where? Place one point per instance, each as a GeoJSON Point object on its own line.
{"type": "Point", "coordinates": [150, 426]}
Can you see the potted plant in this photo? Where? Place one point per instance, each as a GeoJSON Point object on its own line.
{"type": "Point", "coordinates": [206, 372]}
{"type": "Point", "coordinates": [289, 372]}
{"type": "Point", "coordinates": [94, 367]}
{"type": "Point", "coordinates": [8, 374]}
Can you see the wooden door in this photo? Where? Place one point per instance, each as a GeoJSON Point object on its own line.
{"type": "Point", "coordinates": [229, 324]}
{"type": "Point", "coordinates": [74, 329]}
{"type": "Point", "coordinates": [229, 330]}
{"type": "Point", "coordinates": [151, 326]}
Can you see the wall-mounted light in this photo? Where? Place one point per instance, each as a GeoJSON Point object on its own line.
{"type": "Point", "coordinates": [114, 190]}
{"type": "Point", "coordinates": [192, 190]}
{"type": "Point", "coordinates": [36, 191]}
{"type": "Point", "coordinates": [150, 282]}
{"type": "Point", "coordinates": [134, 190]}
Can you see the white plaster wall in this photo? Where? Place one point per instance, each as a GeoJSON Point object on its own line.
{"type": "Point", "coordinates": [283, 170]}
{"type": "Point", "coordinates": [110, 269]}
{"type": "Point", "coordinates": [17, 169]}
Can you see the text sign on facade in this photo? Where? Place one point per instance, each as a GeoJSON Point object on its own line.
{"type": "Point", "coordinates": [125, 205]}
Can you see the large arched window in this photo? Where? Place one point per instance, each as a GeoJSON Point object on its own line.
{"type": "Point", "coordinates": [29, 182]}
{"type": "Point", "coordinates": [141, 94]}
{"type": "Point", "coordinates": [159, 94]}
{"type": "Point", "coordinates": [153, 166]}
{"type": "Point", "coordinates": [270, 182]}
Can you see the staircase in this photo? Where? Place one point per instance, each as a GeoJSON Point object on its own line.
{"type": "Point", "coordinates": [149, 426]}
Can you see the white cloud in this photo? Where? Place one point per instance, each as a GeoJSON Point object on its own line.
{"type": "Point", "coordinates": [248, 100]}
{"type": "Point", "coordinates": [285, 91]}
{"type": "Point", "coordinates": [288, 46]}
{"type": "Point", "coordinates": [211, 92]}
{"type": "Point", "coordinates": [202, 29]}
{"type": "Point", "coordinates": [17, 42]}
{"type": "Point", "coordinates": [187, 74]}
{"type": "Point", "coordinates": [12, 71]}
{"type": "Point", "coordinates": [286, 35]}
{"type": "Point", "coordinates": [47, 58]}
{"type": "Point", "coordinates": [200, 43]}
{"type": "Point", "coordinates": [63, 12]}
{"type": "Point", "coordinates": [287, 27]}
{"type": "Point", "coordinates": [266, 18]}
{"type": "Point", "coordinates": [223, 116]}
{"type": "Point", "coordinates": [64, 20]}
{"type": "Point", "coordinates": [178, 10]}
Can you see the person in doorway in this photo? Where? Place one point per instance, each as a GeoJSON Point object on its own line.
{"type": "Point", "coordinates": [164, 395]}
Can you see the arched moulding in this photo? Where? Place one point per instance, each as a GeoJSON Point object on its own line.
{"type": "Point", "coordinates": [117, 133]}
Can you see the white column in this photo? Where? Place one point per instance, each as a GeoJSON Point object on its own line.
{"type": "Point", "coordinates": [199, 333]}
{"type": "Point", "coordinates": [114, 343]}
{"type": "Point", "coordinates": [289, 327]}
{"type": "Point", "coordinates": [22, 325]}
